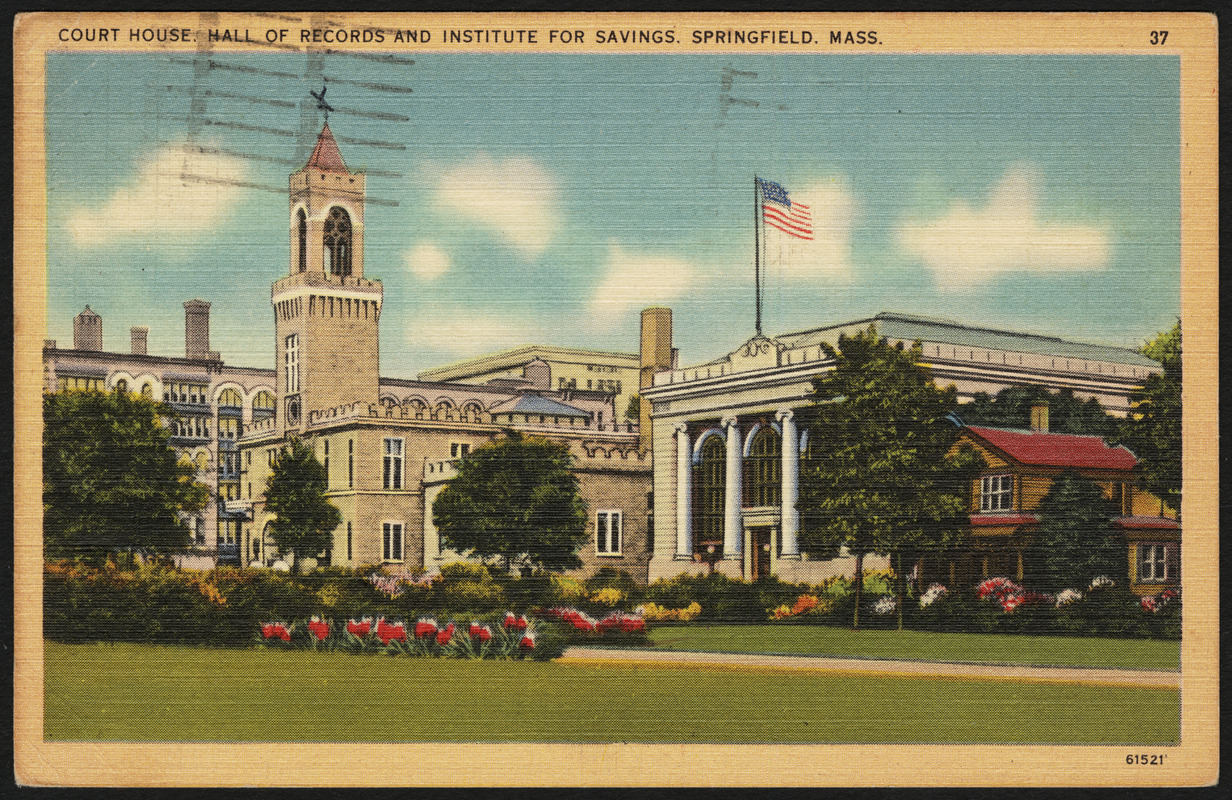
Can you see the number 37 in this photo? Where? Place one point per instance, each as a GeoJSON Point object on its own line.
{"type": "Point", "coordinates": [1159, 37]}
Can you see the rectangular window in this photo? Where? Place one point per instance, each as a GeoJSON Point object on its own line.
{"type": "Point", "coordinates": [996, 492]}
{"type": "Point", "coordinates": [1153, 563]}
{"type": "Point", "coordinates": [459, 449]}
{"type": "Point", "coordinates": [608, 532]}
{"type": "Point", "coordinates": [392, 541]}
{"type": "Point", "coordinates": [292, 363]}
{"type": "Point", "coordinates": [350, 466]}
{"type": "Point", "coordinates": [393, 464]}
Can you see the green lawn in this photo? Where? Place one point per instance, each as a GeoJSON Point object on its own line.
{"type": "Point", "coordinates": [818, 640]}
{"type": "Point", "coordinates": [146, 693]}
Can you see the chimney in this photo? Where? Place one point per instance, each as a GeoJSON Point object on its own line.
{"type": "Point", "coordinates": [87, 331]}
{"type": "Point", "coordinates": [1039, 416]}
{"type": "Point", "coordinates": [140, 335]}
{"type": "Point", "coordinates": [539, 373]}
{"type": "Point", "coordinates": [655, 355]}
{"type": "Point", "coordinates": [197, 329]}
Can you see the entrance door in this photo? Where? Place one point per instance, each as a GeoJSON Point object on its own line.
{"type": "Point", "coordinates": [761, 541]}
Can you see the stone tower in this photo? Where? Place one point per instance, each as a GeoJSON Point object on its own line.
{"type": "Point", "coordinates": [325, 311]}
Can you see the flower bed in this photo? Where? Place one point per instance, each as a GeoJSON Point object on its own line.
{"type": "Point", "coordinates": [515, 638]}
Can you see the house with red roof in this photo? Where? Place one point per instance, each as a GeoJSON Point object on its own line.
{"type": "Point", "coordinates": [1021, 466]}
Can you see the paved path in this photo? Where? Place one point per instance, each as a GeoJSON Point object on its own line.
{"type": "Point", "coordinates": [863, 666]}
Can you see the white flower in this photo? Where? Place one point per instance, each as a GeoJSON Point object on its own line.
{"type": "Point", "coordinates": [1101, 582]}
{"type": "Point", "coordinates": [885, 605]}
{"type": "Point", "coordinates": [934, 593]}
{"type": "Point", "coordinates": [1068, 596]}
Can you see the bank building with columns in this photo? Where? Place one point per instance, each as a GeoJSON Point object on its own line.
{"type": "Point", "coordinates": [729, 435]}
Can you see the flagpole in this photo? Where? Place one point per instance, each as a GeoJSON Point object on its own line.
{"type": "Point", "coordinates": [756, 253]}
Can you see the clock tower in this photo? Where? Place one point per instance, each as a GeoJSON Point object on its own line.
{"type": "Point", "coordinates": [325, 311]}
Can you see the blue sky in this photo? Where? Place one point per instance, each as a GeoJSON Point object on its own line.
{"type": "Point", "coordinates": [546, 199]}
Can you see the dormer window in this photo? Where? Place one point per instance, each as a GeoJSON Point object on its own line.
{"type": "Point", "coordinates": [337, 241]}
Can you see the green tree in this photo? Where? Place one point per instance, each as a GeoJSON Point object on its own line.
{"type": "Point", "coordinates": [1153, 428]}
{"type": "Point", "coordinates": [515, 499]}
{"type": "Point", "coordinates": [1011, 408]}
{"type": "Point", "coordinates": [1075, 540]}
{"type": "Point", "coordinates": [880, 477]}
{"type": "Point", "coordinates": [295, 494]}
{"type": "Point", "coordinates": [111, 480]}
{"type": "Point", "coordinates": [634, 410]}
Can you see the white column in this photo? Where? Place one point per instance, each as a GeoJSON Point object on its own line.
{"type": "Point", "coordinates": [791, 485]}
{"type": "Point", "coordinates": [733, 530]}
{"type": "Point", "coordinates": [684, 494]}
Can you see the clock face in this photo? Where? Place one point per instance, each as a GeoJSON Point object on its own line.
{"type": "Point", "coordinates": [293, 410]}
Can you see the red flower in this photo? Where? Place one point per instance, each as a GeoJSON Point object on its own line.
{"type": "Point", "coordinates": [390, 633]}
{"type": "Point", "coordinates": [522, 623]}
{"type": "Point", "coordinates": [360, 628]}
{"type": "Point", "coordinates": [480, 632]}
{"type": "Point", "coordinates": [275, 630]}
{"type": "Point", "coordinates": [510, 619]}
{"type": "Point", "coordinates": [444, 636]}
{"type": "Point", "coordinates": [528, 641]}
{"type": "Point", "coordinates": [319, 628]}
{"type": "Point", "coordinates": [425, 628]}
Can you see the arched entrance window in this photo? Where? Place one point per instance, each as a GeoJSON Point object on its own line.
{"type": "Point", "coordinates": [337, 240]}
{"type": "Point", "coordinates": [121, 386]}
{"type": "Point", "coordinates": [147, 391]}
{"type": "Point", "coordinates": [710, 477]}
{"type": "Point", "coordinates": [765, 469]}
{"type": "Point", "coordinates": [301, 238]}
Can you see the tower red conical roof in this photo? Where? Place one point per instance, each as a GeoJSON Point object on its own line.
{"type": "Point", "coordinates": [326, 154]}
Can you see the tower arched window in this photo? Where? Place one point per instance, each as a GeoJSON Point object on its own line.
{"type": "Point", "coordinates": [711, 477]}
{"type": "Point", "coordinates": [337, 240]}
{"type": "Point", "coordinates": [301, 240]}
{"type": "Point", "coordinates": [765, 469]}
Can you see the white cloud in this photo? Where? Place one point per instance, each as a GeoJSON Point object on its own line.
{"type": "Point", "coordinates": [833, 206]}
{"type": "Point", "coordinates": [516, 197]}
{"type": "Point", "coordinates": [468, 333]}
{"type": "Point", "coordinates": [968, 245]}
{"type": "Point", "coordinates": [634, 281]}
{"type": "Point", "coordinates": [427, 260]}
{"type": "Point", "coordinates": [178, 193]}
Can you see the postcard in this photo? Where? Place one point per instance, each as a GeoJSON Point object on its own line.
{"type": "Point", "coordinates": [724, 399]}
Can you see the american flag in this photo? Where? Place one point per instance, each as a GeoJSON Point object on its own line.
{"type": "Point", "coordinates": [780, 212]}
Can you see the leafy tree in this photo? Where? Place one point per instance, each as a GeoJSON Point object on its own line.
{"type": "Point", "coordinates": [515, 499]}
{"type": "Point", "coordinates": [1011, 408]}
{"type": "Point", "coordinates": [1153, 428]}
{"type": "Point", "coordinates": [1075, 540]}
{"type": "Point", "coordinates": [634, 410]}
{"type": "Point", "coordinates": [295, 493]}
{"type": "Point", "coordinates": [881, 478]}
{"type": "Point", "coordinates": [111, 480]}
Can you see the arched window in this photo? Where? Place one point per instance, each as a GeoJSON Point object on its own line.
{"type": "Point", "coordinates": [301, 238]}
{"type": "Point", "coordinates": [418, 406]}
{"type": "Point", "coordinates": [710, 480]}
{"type": "Point", "coordinates": [230, 397]}
{"type": "Point", "coordinates": [121, 386]}
{"type": "Point", "coordinates": [147, 391]}
{"type": "Point", "coordinates": [472, 412]}
{"type": "Point", "coordinates": [337, 240]}
{"type": "Point", "coordinates": [765, 469]}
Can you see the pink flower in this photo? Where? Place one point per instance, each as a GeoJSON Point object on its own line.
{"type": "Point", "coordinates": [390, 633]}
{"type": "Point", "coordinates": [360, 628]}
{"type": "Point", "coordinates": [444, 636]}
{"type": "Point", "coordinates": [425, 627]}
{"type": "Point", "coordinates": [319, 628]}
{"type": "Point", "coordinates": [1149, 605]}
